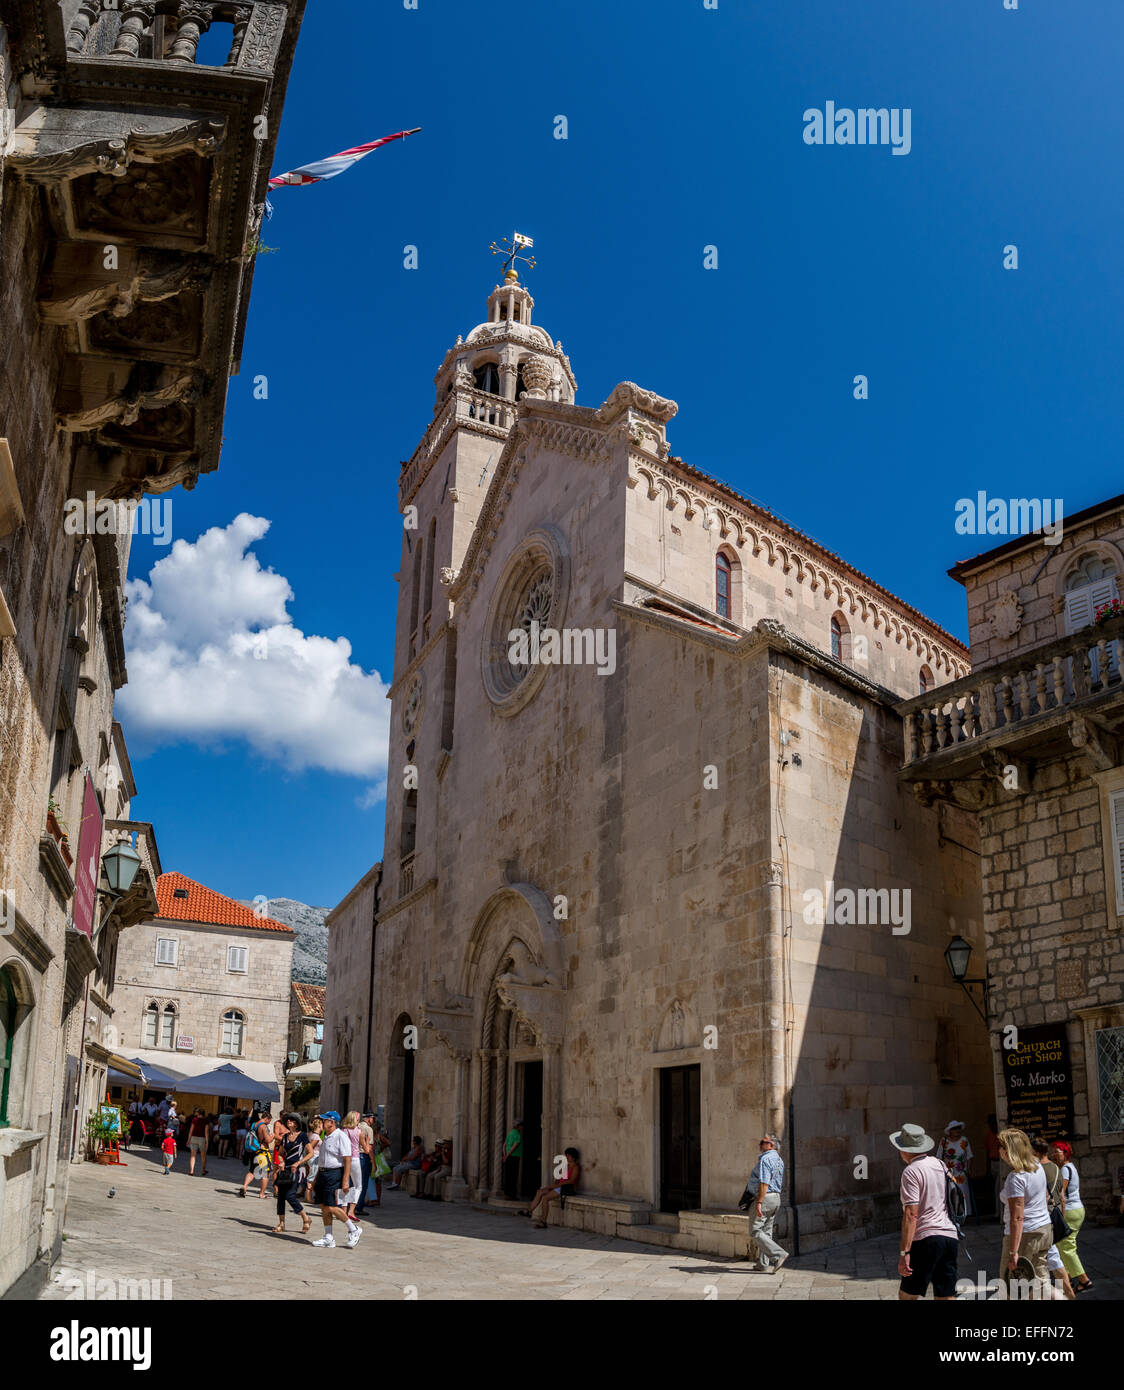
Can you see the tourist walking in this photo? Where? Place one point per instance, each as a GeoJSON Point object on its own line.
{"type": "Point", "coordinates": [315, 1135]}
{"type": "Point", "coordinates": [1027, 1232]}
{"type": "Point", "coordinates": [994, 1162]}
{"type": "Point", "coordinates": [764, 1192]}
{"type": "Point", "coordinates": [366, 1156]}
{"type": "Point", "coordinates": [380, 1165]}
{"type": "Point", "coordinates": [512, 1160]}
{"type": "Point", "coordinates": [287, 1182]}
{"type": "Point", "coordinates": [929, 1239]}
{"type": "Point", "coordinates": [956, 1154]}
{"type": "Point", "coordinates": [1073, 1209]}
{"type": "Point", "coordinates": [333, 1178]}
{"type": "Point", "coordinates": [224, 1132]}
{"type": "Point", "coordinates": [565, 1188]}
{"type": "Point", "coordinates": [240, 1135]}
{"type": "Point", "coordinates": [349, 1199]}
{"type": "Point", "coordinates": [169, 1147]}
{"type": "Point", "coordinates": [257, 1146]}
{"type": "Point", "coordinates": [1053, 1199]}
{"type": "Point", "coordinates": [198, 1134]}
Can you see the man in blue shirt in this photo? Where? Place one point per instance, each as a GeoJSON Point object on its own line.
{"type": "Point", "coordinates": [767, 1177]}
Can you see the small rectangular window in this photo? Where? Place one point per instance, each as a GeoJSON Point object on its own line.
{"type": "Point", "coordinates": [167, 950]}
{"type": "Point", "coordinates": [236, 958]}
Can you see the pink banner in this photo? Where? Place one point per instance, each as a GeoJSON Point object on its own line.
{"type": "Point", "coordinates": [88, 862]}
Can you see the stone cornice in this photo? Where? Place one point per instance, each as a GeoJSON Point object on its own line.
{"type": "Point", "coordinates": [767, 635]}
{"type": "Point", "coordinates": [674, 483]}
{"type": "Point", "coordinates": [30, 944]}
{"type": "Point", "coordinates": [400, 906]}
{"type": "Point", "coordinates": [417, 661]}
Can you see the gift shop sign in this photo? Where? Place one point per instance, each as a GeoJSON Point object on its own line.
{"type": "Point", "coordinates": [1040, 1082]}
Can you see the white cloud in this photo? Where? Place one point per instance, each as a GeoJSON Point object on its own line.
{"type": "Point", "coordinates": [213, 654]}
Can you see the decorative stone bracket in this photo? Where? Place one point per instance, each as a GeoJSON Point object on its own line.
{"type": "Point", "coordinates": [538, 1006]}
{"type": "Point", "coordinates": [50, 147]}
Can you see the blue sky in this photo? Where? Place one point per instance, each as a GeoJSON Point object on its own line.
{"type": "Point", "coordinates": [685, 129]}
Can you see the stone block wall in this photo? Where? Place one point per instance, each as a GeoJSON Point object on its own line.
{"type": "Point", "coordinates": [203, 989]}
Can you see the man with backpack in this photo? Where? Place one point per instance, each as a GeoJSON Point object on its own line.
{"type": "Point", "coordinates": [258, 1144]}
{"type": "Point", "coordinates": [928, 1250]}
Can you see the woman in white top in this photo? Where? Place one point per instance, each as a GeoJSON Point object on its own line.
{"type": "Point", "coordinates": [1074, 1212]}
{"type": "Point", "coordinates": [1027, 1233]}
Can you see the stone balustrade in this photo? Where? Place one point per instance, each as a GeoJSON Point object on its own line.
{"type": "Point", "coordinates": [460, 406]}
{"type": "Point", "coordinates": [1014, 696]}
{"type": "Point", "coordinates": [163, 30]}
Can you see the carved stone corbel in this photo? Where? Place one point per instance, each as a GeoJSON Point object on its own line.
{"type": "Point", "coordinates": [1101, 749]}
{"type": "Point", "coordinates": [539, 1006]}
{"type": "Point", "coordinates": [78, 286]}
{"type": "Point", "coordinates": [43, 153]}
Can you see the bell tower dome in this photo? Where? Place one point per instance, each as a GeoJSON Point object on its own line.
{"type": "Point", "coordinates": [504, 358]}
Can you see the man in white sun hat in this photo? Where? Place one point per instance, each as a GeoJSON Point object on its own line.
{"type": "Point", "coordinates": [927, 1253]}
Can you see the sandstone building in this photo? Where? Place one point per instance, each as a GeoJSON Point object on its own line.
{"type": "Point", "coordinates": [598, 900]}
{"type": "Point", "coordinates": [205, 984]}
{"type": "Point", "coordinates": [1033, 741]}
{"type": "Point", "coordinates": [306, 1037]}
{"type": "Point", "coordinates": [132, 185]}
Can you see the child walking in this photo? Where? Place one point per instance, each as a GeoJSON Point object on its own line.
{"type": "Point", "coordinates": [169, 1150]}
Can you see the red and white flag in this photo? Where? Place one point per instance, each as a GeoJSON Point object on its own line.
{"type": "Point", "coordinates": [336, 163]}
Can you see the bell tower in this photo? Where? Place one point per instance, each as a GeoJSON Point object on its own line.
{"type": "Point", "coordinates": [441, 489]}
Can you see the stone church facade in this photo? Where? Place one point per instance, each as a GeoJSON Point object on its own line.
{"type": "Point", "coordinates": [662, 889]}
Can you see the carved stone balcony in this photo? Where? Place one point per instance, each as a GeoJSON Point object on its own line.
{"type": "Point", "coordinates": [153, 170]}
{"type": "Point", "coordinates": [1046, 702]}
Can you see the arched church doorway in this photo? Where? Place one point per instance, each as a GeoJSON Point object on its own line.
{"type": "Point", "coordinates": [400, 1083]}
{"type": "Point", "coordinates": [512, 978]}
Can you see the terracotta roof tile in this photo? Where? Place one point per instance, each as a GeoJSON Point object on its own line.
{"type": "Point", "coordinates": [310, 998]}
{"type": "Point", "coordinates": [181, 899]}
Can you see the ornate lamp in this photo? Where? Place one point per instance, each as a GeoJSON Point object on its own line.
{"type": "Point", "coordinates": [957, 954]}
{"type": "Point", "coordinates": [120, 862]}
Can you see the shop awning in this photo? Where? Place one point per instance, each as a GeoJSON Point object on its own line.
{"type": "Point", "coordinates": [123, 1071]}
{"type": "Point", "coordinates": [241, 1079]}
{"type": "Point", "coordinates": [308, 1071]}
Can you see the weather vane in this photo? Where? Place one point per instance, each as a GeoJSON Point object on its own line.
{"type": "Point", "coordinates": [510, 252]}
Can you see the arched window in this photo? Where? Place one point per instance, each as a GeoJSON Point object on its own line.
{"type": "Point", "coordinates": [168, 1026]}
{"type": "Point", "coordinates": [837, 633]}
{"type": "Point", "coordinates": [926, 679]}
{"type": "Point", "coordinates": [1090, 584]}
{"type": "Point", "coordinates": [150, 1027]}
{"type": "Point", "coordinates": [233, 1032]}
{"type": "Point", "coordinates": [487, 378]}
{"type": "Point", "coordinates": [8, 1009]}
{"type": "Point", "coordinates": [723, 585]}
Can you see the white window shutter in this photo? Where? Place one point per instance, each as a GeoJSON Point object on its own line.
{"type": "Point", "coordinates": [1078, 608]}
{"type": "Point", "coordinates": [236, 958]}
{"type": "Point", "coordinates": [1116, 820]}
{"type": "Point", "coordinates": [166, 950]}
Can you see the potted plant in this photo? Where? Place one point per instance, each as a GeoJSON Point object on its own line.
{"type": "Point", "coordinates": [106, 1125]}
{"type": "Point", "coordinates": [56, 828]}
{"type": "Point", "coordinates": [1106, 612]}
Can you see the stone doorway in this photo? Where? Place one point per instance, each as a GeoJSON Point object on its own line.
{"type": "Point", "coordinates": [400, 1085]}
{"type": "Point", "coordinates": [680, 1139]}
{"type": "Point", "coordinates": [528, 1089]}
